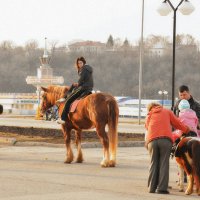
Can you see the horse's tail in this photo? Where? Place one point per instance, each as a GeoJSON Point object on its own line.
{"type": "Point", "coordinates": [113, 114]}
{"type": "Point", "coordinates": [196, 160]}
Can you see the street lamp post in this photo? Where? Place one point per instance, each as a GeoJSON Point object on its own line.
{"type": "Point", "coordinates": [141, 65]}
{"type": "Point", "coordinates": [163, 93]}
{"type": "Point", "coordinates": [186, 8]}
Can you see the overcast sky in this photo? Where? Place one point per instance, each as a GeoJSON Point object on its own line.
{"type": "Point", "coordinates": [67, 20]}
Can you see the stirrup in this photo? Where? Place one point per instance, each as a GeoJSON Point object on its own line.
{"type": "Point", "coordinates": [60, 100]}
{"type": "Point", "coordinates": [60, 121]}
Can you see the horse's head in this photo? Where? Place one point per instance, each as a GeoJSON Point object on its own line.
{"type": "Point", "coordinates": [50, 95]}
{"type": "Point", "coordinates": [45, 102]}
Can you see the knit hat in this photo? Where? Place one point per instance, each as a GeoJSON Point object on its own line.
{"type": "Point", "coordinates": [184, 104]}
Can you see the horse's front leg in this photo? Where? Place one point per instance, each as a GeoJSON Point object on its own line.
{"type": "Point", "coordinates": [79, 158]}
{"type": "Point", "coordinates": [181, 178]}
{"type": "Point", "coordinates": [105, 142]}
{"type": "Point", "coordinates": [67, 139]}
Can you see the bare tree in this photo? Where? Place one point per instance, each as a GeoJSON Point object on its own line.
{"type": "Point", "coordinates": [7, 45]}
{"type": "Point", "coordinates": [31, 45]}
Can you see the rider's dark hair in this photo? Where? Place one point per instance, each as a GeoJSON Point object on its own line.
{"type": "Point", "coordinates": [183, 88]}
{"type": "Point", "coordinates": [80, 59]}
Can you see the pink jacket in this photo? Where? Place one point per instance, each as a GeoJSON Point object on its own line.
{"type": "Point", "coordinates": [189, 118]}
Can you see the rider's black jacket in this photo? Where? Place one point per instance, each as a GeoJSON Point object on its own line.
{"type": "Point", "coordinates": [86, 78]}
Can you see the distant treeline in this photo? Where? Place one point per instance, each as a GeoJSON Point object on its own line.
{"type": "Point", "coordinates": [116, 72]}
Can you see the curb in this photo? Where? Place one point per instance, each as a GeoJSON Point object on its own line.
{"type": "Point", "coordinates": [14, 142]}
{"type": "Point", "coordinates": [41, 131]}
{"type": "Point", "coordinates": [9, 141]}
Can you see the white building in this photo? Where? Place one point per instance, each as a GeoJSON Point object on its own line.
{"type": "Point", "coordinates": [87, 46]}
{"type": "Point", "coordinates": [158, 49]}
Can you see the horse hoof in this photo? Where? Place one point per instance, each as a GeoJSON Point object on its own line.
{"type": "Point", "coordinates": [181, 188]}
{"type": "Point", "coordinates": [67, 161]}
{"type": "Point", "coordinates": [79, 161]}
{"type": "Point", "coordinates": [79, 158]}
{"type": "Point", "coordinates": [112, 163]}
{"type": "Point", "coordinates": [104, 163]}
{"type": "Point", "coordinates": [104, 166]}
{"type": "Point", "coordinates": [187, 192]}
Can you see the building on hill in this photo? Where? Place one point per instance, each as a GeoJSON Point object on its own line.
{"type": "Point", "coordinates": [87, 46]}
{"type": "Point", "coordinates": [157, 50]}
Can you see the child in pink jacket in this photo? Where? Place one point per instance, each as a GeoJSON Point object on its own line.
{"type": "Point", "coordinates": [188, 117]}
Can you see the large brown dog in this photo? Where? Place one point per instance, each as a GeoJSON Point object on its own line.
{"type": "Point", "coordinates": [188, 158]}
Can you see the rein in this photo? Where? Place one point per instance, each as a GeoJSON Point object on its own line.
{"type": "Point", "coordinates": [175, 147]}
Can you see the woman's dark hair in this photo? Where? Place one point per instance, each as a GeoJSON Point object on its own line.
{"type": "Point", "coordinates": [1, 109]}
{"type": "Point", "coordinates": [183, 88]}
{"type": "Point", "coordinates": [80, 59]}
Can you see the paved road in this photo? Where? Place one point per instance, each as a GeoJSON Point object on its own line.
{"type": "Point", "coordinates": [38, 173]}
{"type": "Point", "coordinates": [125, 125]}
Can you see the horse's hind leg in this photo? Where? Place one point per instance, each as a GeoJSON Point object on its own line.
{"type": "Point", "coordinates": [67, 138]}
{"type": "Point", "coordinates": [189, 189]}
{"type": "Point", "coordinates": [79, 158]}
{"type": "Point", "coordinates": [189, 171]}
{"type": "Point", "coordinates": [196, 179]}
{"type": "Point", "coordinates": [113, 140]}
{"type": "Point", "coordinates": [198, 186]}
{"type": "Point", "coordinates": [105, 142]}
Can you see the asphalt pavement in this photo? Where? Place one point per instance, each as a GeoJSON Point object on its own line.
{"type": "Point", "coordinates": [35, 171]}
{"type": "Point", "coordinates": [38, 173]}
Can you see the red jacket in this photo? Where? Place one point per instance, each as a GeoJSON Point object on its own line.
{"type": "Point", "coordinates": [159, 121]}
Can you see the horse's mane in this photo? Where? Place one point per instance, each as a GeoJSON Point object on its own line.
{"type": "Point", "coordinates": [56, 92]}
{"type": "Point", "coordinates": [57, 89]}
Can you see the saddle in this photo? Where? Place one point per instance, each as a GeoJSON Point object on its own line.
{"type": "Point", "coordinates": [74, 104]}
{"type": "Point", "coordinates": [174, 150]}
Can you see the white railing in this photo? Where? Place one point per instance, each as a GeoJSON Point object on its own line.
{"type": "Point", "coordinates": [50, 80]}
{"type": "Point", "coordinates": [18, 95]}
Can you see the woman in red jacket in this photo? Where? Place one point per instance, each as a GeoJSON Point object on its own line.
{"type": "Point", "coordinates": [159, 143]}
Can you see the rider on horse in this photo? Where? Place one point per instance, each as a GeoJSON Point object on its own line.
{"type": "Point", "coordinates": [84, 86]}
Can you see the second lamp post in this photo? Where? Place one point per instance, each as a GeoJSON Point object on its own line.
{"type": "Point", "coordinates": [186, 8]}
{"type": "Point", "coordinates": [163, 93]}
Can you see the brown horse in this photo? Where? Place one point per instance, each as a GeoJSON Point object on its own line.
{"type": "Point", "coordinates": [94, 111]}
{"type": "Point", "coordinates": [187, 157]}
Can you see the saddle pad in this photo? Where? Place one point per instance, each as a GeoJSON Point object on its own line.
{"type": "Point", "coordinates": [74, 105]}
